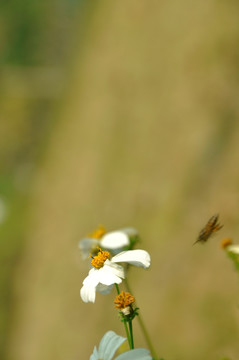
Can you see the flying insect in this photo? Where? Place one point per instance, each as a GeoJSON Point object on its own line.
{"type": "Point", "coordinates": [210, 228]}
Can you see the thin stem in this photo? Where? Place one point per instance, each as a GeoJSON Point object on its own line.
{"type": "Point", "coordinates": [143, 328]}
{"type": "Point", "coordinates": [127, 333]}
{"type": "Point", "coordinates": [117, 288]}
{"type": "Point", "coordinates": [131, 334]}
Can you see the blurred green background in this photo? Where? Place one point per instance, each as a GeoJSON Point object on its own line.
{"type": "Point", "coordinates": [122, 113]}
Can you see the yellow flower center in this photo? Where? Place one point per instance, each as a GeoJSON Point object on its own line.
{"type": "Point", "coordinates": [98, 233]}
{"type": "Point", "coordinates": [123, 300]}
{"type": "Point", "coordinates": [99, 260]}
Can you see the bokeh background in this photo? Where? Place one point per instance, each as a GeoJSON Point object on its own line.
{"type": "Point", "coordinates": [122, 113]}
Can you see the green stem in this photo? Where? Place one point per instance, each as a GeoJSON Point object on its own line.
{"type": "Point", "coordinates": [143, 328]}
{"type": "Point", "coordinates": [117, 288]}
{"type": "Point", "coordinates": [127, 333]}
{"type": "Point", "coordinates": [131, 334]}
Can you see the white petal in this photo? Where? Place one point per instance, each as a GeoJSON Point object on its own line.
{"type": "Point", "coordinates": [108, 275]}
{"type": "Point", "coordinates": [114, 240]}
{"type": "Point", "coordinates": [104, 289]}
{"type": "Point", "coordinates": [135, 257]}
{"type": "Point", "coordinates": [87, 293]}
{"type": "Point", "coordinates": [233, 248]}
{"type": "Point", "coordinates": [93, 278]}
{"type": "Point", "coordinates": [116, 269]}
{"type": "Point", "coordinates": [94, 355]}
{"type": "Point", "coordinates": [139, 354]}
{"type": "Point", "coordinates": [109, 344]}
{"type": "Point", "coordinates": [89, 286]}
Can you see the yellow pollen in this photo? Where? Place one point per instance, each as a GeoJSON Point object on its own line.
{"type": "Point", "coordinates": [99, 260]}
{"type": "Point", "coordinates": [123, 300]}
{"type": "Point", "coordinates": [98, 233]}
{"type": "Point", "coordinates": [226, 242]}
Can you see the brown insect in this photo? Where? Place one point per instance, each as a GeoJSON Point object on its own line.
{"type": "Point", "coordinates": [211, 227]}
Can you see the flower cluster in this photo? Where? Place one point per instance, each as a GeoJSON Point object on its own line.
{"type": "Point", "coordinates": [111, 255]}
{"type": "Point", "coordinates": [108, 251]}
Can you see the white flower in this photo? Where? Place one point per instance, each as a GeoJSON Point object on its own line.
{"type": "Point", "coordinates": [114, 241]}
{"type": "Point", "coordinates": [233, 248]}
{"type": "Point", "coordinates": [110, 343]}
{"type": "Point", "coordinates": [106, 273]}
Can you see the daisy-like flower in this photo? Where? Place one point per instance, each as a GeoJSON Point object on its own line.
{"type": "Point", "coordinates": [106, 272]}
{"type": "Point", "coordinates": [110, 343]}
{"type": "Point", "coordinates": [228, 245]}
{"type": "Point", "coordinates": [114, 241]}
